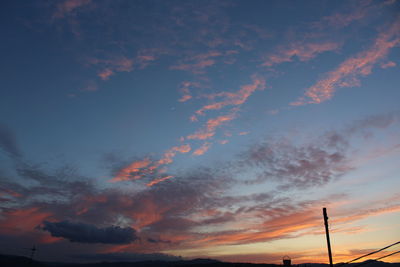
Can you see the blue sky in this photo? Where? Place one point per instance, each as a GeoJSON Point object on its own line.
{"type": "Point", "coordinates": [205, 129]}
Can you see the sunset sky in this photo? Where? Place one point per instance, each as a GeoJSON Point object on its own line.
{"type": "Point", "coordinates": [152, 129]}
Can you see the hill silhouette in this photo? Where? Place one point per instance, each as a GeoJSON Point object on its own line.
{"type": "Point", "coordinates": [20, 261]}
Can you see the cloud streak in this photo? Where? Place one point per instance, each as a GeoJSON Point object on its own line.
{"type": "Point", "coordinates": [234, 99]}
{"type": "Point", "coordinates": [303, 51]}
{"type": "Point", "coordinates": [349, 72]}
{"type": "Point", "coordinates": [8, 142]}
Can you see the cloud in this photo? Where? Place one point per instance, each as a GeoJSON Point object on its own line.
{"type": "Point", "coordinates": [303, 51]}
{"type": "Point", "coordinates": [378, 121]}
{"type": "Point", "coordinates": [177, 215]}
{"type": "Point", "coordinates": [349, 72]}
{"type": "Point", "coordinates": [111, 65]}
{"type": "Point", "coordinates": [156, 181]}
{"type": "Point", "coordinates": [133, 171]}
{"type": "Point", "coordinates": [389, 64]}
{"type": "Point", "coordinates": [343, 19]}
{"type": "Point", "coordinates": [105, 74]}
{"type": "Point", "coordinates": [21, 220]}
{"type": "Point", "coordinates": [139, 169]}
{"type": "Point", "coordinates": [293, 166]}
{"type": "Point", "coordinates": [68, 7]}
{"type": "Point", "coordinates": [87, 233]}
{"type": "Point", "coordinates": [211, 125]}
{"type": "Point", "coordinates": [234, 99]}
{"type": "Point", "coordinates": [197, 63]}
{"type": "Point", "coordinates": [203, 149]}
{"type": "Point", "coordinates": [8, 142]}
{"type": "Point", "coordinates": [185, 90]}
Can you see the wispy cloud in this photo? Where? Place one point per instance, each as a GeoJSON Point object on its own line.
{"type": "Point", "coordinates": [67, 7]}
{"type": "Point", "coordinates": [185, 90]}
{"type": "Point", "coordinates": [8, 141]}
{"type": "Point", "coordinates": [209, 128]}
{"type": "Point", "coordinates": [197, 63]}
{"type": "Point", "coordinates": [389, 64]}
{"type": "Point", "coordinates": [112, 65]}
{"type": "Point", "coordinates": [132, 171]}
{"type": "Point", "coordinates": [159, 180]}
{"type": "Point", "coordinates": [303, 51]}
{"type": "Point", "coordinates": [202, 149]}
{"type": "Point", "coordinates": [349, 72]}
{"type": "Point", "coordinates": [234, 99]}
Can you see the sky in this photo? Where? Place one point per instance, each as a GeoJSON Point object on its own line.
{"type": "Point", "coordinates": [153, 129]}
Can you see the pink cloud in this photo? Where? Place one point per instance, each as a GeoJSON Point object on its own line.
{"type": "Point", "coordinates": [203, 149]}
{"type": "Point", "coordinates": [112, 65]}
{"type": "Point", "coordinates": [197, 63]}
{"type": "Point", "coordinates": [66, 7]}
{"type": "Point", "coordinates": [156, 181]}
{"type": "Point", "coordinates": [105, 74]}
{"type": "Point", "coordinates": [349, 72]}
{"type": "Point", "coordinates": [389, 64]}
{"type": "Point", "coordinates": [185, 90]}
{"type": "Point", "coordinates": [304, 52]}
{"type": "Point", "coordinates": [358, 10]}
{"type": "Point", "coordinates": [234, 99]}
{"type": "Point", "coordinates": [208, 130]}
{"type": "Point", "coordinates": [244, 133]}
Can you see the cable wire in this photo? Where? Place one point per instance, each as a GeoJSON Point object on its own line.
{"type": "Point", "coordinates": [371, 261]}
{"type": "Point", "coordinates": [368, 254]}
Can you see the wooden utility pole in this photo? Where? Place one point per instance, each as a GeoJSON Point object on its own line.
{"type": "Point", "coordinates": [327, 237]}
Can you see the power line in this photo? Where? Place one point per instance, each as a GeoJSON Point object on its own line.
{"type": "Point", "coordinates": [367, 262]}
{"type": "Point", "coordinates": [368, 254]}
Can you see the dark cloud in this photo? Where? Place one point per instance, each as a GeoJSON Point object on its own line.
{"type": "Point", "coordinates": [378, 121]}
{"type": "Point", "coordinates": [131, 257]}
{"type": "Point", "coordinates": [300, 166]}
{"type": "Point", "coordinates": [8, 142]}
{"type": "Point", "coordinates": [87, 233]}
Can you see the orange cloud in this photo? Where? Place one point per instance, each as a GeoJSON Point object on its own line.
{"type": "Point", "coordinates": [234, 99]}
{"type": "Point", "coordinates": [171, 153]}
{"type": "Point", "coordinates": [203, 149]}
{"type": "Point", "coordinates": [208, 130]}
{"type": "Point", "coordinates": [154, 182]}
{"type": "Point", "coordinates": [348, 73]}
{"type": "Point", "coordinates": [105, 74]}
{"type": "Point", "coordinates": [133, 169]}
{"type": "Point", "coordinates": [138, 169]}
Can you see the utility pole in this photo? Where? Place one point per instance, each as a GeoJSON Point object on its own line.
{"type": "Point", "coordinates": [327, 237]}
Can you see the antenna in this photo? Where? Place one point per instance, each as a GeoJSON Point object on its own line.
{"type": "Point", "coordinates": [33, 249]}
